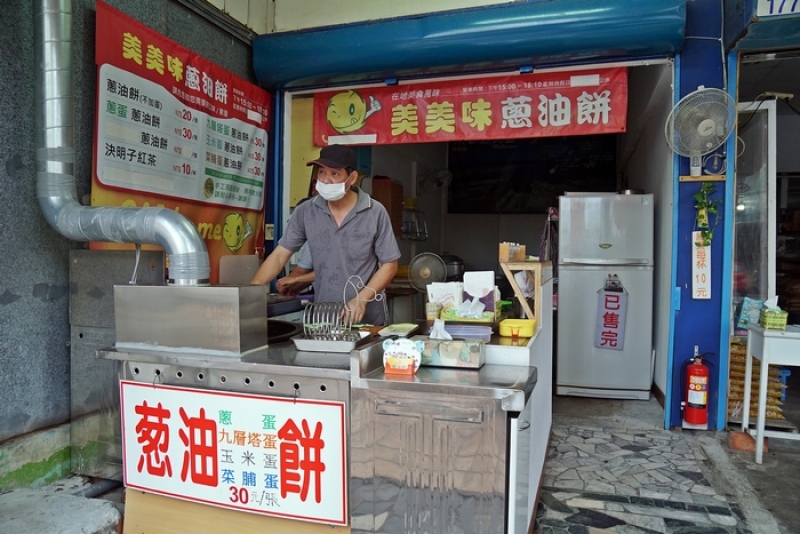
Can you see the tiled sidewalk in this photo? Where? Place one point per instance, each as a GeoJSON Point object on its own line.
{"type": "Point", "coordinates": [631, 481]}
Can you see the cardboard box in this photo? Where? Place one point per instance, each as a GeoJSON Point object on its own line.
{"type": "Point", "coordinates": [470, 353]}
{"type": "Point", "coordinates": [512, 252]}
{"type": "Point", "coordinates": [390, 194]}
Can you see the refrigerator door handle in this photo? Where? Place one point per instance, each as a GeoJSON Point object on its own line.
{"type": "Point", "coordinates": [602, 261]}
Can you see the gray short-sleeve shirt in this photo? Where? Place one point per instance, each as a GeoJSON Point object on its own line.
{"type": "Point", "coordinates": [356, 248]}
{"type": "Point", "coordinates": [304, 258]}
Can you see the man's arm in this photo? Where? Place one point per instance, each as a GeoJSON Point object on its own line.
{"type": "Point", "coordinates": [274, 263]}
{"type": "Point", "coordinates": [377, 282]}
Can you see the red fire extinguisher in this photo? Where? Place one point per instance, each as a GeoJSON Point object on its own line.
{"type": "Point", "coordinates": [696, 393]}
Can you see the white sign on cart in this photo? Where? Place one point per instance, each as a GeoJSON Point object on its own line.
{"type": "Point", "coordinates": [283, 457]}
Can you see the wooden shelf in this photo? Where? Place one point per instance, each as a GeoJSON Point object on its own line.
{"type": "Point", "coordinates": [536, 268]}
{"type": "Point", "coordinates": [703, 178]}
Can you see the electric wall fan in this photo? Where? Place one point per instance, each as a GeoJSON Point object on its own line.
{"type": "Point", "coordinates": [699, 124]}
{"type": "Point", "coordinates": [425, 269]}
{"type": "Point", "coordinates": [436, 180]}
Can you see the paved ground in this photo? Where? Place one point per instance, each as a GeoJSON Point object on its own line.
{"type": "Point", "coordinates": [636, 480]}
{"type": "Point", "coordinates": [776, 482]}
{"type": "Point", "coordinates": [612, 468]}
{"type": "Point", "coordinates": [59, 508]}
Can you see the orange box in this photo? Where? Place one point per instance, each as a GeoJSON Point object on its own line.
{"type": "Point", "coordinates": [399, 366]}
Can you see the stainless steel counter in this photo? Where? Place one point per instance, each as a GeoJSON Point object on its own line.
{"type": "Point", "coordinates": [510, 384]}
{"type": "Point", "coordinates": [445, 450]}
{"type": "Point", "coordinates": [513, 384]}
{"type": "Point", "coordinates": [280, 359]}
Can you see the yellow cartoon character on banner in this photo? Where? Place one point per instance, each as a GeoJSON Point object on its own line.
{"type": "Point", "coordinates": [347, 111]}
{"type": "Point", "coordinates": [235, 231]}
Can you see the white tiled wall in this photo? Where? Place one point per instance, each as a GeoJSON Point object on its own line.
{"type": "Point", "coordinates": [263, 16]}
{"type": "Point", "coordinates": [251, 13]}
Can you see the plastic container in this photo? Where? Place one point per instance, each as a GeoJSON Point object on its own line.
{"type": "Point", "coordinates": [784, 375]}
{"type": "Point", "coordinates": [461, 331]}
{"type": "Point", "coordinates": [518, 327]}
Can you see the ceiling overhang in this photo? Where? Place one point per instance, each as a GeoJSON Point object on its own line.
{"type": "Point", "coordinates": [520, 35]}
{"type": "Point", "coordinates": [773, 33]}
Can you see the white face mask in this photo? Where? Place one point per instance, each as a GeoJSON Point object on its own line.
{"type": "Point", "coordinates": [331, 192]}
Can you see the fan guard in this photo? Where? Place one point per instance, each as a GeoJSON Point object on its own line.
{"type": "Point", "coordinates": [699, 124]}
{"type": "Point", "coordinates": [425, 269]}
{"type": "Point", "coordinates": [436, 180]}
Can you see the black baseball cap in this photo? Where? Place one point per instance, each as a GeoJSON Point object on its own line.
{"type": "Point", "coordinates": [336, 157]}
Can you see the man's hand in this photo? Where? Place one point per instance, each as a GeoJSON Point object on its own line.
{"type": "Point", "coordinates": [356, 309]}
{"type": "Point", "coordinates": [291, 285]}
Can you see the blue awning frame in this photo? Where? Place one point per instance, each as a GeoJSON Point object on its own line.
{"type": "Point", "coordinates": [771, 34]}
{"type": "Point", "coordinates": [745, 31]}
{"type": "Point", "coordinates": [516, 36]}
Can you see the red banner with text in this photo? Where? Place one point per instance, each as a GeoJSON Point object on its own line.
{"type": "Point", "coordinates": [175, 130]}
{"type": "Point", "coordinates": [535, 105]}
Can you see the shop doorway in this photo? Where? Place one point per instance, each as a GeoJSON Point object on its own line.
{"type": "Point", "coordinates": [767, 215]}
{"type": "Point", "coordinates": [642, 161]}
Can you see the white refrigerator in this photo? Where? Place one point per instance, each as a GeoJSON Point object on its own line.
{"type": "Point", "coordinates": [605, 296]}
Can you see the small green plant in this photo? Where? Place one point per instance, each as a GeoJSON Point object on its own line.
{"type": "Point", "coordinates": [706, 208]}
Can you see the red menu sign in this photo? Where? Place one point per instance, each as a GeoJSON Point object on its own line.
{"type": "Point", "coordinates": [176, 130]}
{"type": "Point", "coordinates": [537, 105]}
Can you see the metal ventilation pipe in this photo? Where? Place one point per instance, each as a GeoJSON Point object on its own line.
{"type": "Point", "coordinates": [55, 182]}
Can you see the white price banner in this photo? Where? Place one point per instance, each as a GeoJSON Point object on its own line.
{"type": "Point", "coordinates": [701, 269]}
{"type": "Point", "coordinates": [283, 457]}
{"type": "Point", "coordinates": [154, 143]}
{"type": "Point", "coordinates": [612, 310]}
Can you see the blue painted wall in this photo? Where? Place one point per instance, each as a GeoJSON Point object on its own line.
{"type": "Point", "coordinates": [698, 321]}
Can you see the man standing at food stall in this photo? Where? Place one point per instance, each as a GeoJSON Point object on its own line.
{"type": "Point", "coordinates": [350, 238]}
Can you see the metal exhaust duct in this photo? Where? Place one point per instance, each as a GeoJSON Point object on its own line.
{"type": "Point", "coordinates": [55, 182]}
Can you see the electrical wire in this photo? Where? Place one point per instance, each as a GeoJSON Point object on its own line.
{"type": "Point", "coordinates": [744, 146]}
{"type": "Point", "coordinates": [132, 281]}
{"type": "Point", "coordinates": [722, 49]}
{"type": "Point", "coordinates": [723, 163]}
{"type": "Point", "coordinates": [763, 98]}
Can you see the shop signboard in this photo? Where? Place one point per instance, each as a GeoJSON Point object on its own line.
{"type": "Point", "coordinates": [550, 104]}
{"type": "Point", "coordinates": [281, 457]}
{"type": "Point", "coordinates": [612, 314]}
{"type": "Point", "coordinates": [771, 8]}
{"type": "Point", "coordinates": [175, 130]}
